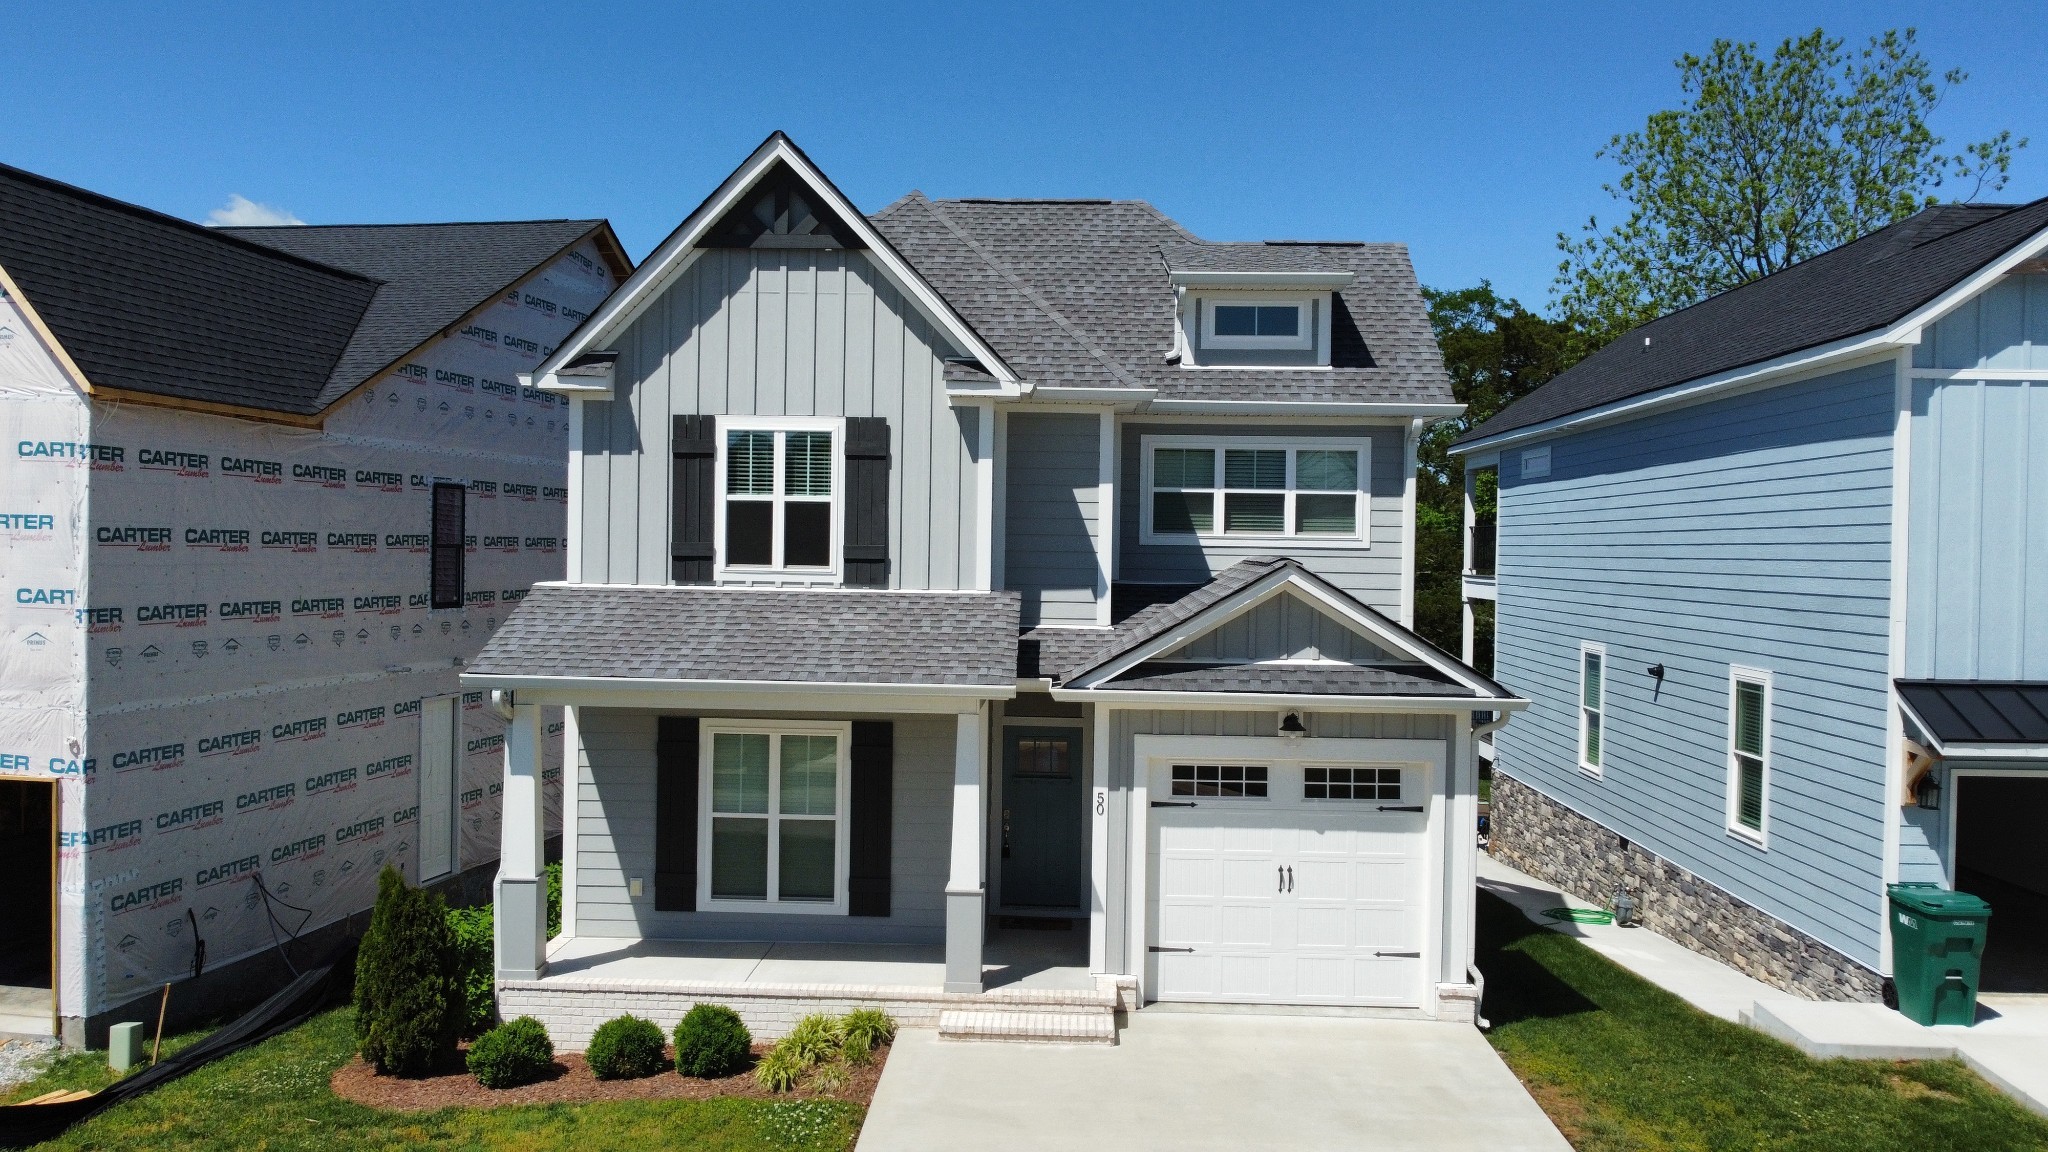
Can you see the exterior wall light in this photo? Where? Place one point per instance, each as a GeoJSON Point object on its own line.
{"type": "Point", "coordinates": [1291, 725]}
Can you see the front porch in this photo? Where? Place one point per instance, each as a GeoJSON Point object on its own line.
{"type": "Point", "coordinates": [1037, 981]}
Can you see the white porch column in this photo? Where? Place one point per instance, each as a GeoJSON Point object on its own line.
{"type": "Point", "coordinates": [522, 916]}
{"type": "Point", "coordinates": [965, 910]}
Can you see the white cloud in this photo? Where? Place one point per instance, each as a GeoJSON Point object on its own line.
{"type": "Point", "coordinates": [242, 212]}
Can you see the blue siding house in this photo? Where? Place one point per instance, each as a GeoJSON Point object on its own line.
{"type": "Point", "coordinates": [1774, 571]}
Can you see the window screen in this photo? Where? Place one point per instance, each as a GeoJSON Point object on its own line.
{"type": "Point", "coordinates": [446, 576]}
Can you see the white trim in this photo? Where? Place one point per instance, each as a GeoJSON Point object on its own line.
{"type": "Point", "coordinates": [1760, 836]}
{"type": "Point", "coordinates": [725, 426]}
{"type": "Point", "coordinates": [1099, 736]}
{"type": "Point", "coordinates": [1305, 323]}
{"type": "Point", "coordinates": [1893, 770]}
{"type": "Point", "coordinates": [574, 566]}
{"type": "Point", "coordinates": [745, 695]}
{"type": "Point", "coordinates": [999, 540]}
{"type": "Point", "coordinates": [1948, 854]}
{"type": "Point", "coordinates": [1288, 702]}
{"type": "Point", "coordinates": [1284, 281]}
{"type": "Point", "coordinates": [1411, 446]}
{"type": "Point", "coordinates": [985, 497]}
{"type": "Point", "coordinates": [1066, 394]}
{"type": "Point", "coordinates": [1105, 515]}
{"type": "Point", "coordinates": [1589, 648]}
{"type": "Point", "coordinates": [2025, 374]}
{"type": "Point", "coordinates": [1360, 539]}
{"type": "Point", "coordinates": [667, 261]}
{"type": "Point", "coordinates": [572, 740]}
{"type": "Point", "coordinates": [842, 732]}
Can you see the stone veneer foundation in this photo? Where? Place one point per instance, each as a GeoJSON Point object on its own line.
{"type": "Point", "coordinates": [1551, 842]}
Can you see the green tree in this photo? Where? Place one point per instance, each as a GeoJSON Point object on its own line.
{"type": "Point", "coordinates": [1767, 162]}
{"type": "Point", "coordinates": [409, 1000]}
{"type": "Point", "coordinates": [1496, 352]}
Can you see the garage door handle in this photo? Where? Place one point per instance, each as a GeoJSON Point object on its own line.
{"type": "Point", "coordinates": [1157, 948]}
{"type": "Point", "coordinates": [1174, 804]}
{"type": "Point", "coordinates": [1405, 955]}
{"type": "Point", "coordinates": [1400, 808]}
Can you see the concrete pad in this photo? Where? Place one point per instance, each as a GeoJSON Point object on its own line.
{"type": "Point", "coordinates": [1190, 1081]}
{"type": "Point", "coordinates": [24, 1011]}
{"type": "Point", "coordinates": [693, 961]}
{"type": "Point", "coordinates": [1703, 982]}
{"type": "Point", "coordinates": [893, 964]}
{"type": "Point", "coordinates": [1834, 1030]}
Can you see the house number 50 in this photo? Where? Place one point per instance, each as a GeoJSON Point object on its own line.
{"type": "Point", "coordinates": [1101, 801]}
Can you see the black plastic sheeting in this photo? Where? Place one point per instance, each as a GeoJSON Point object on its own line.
{"type": "Point", "coordinates": [294, 1004]}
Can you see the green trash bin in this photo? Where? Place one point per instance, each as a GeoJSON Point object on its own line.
{"type": "Point", "coordinates": [1937, 947]}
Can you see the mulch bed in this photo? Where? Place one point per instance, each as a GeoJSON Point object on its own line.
{"type": "Point", "coordinates": [573, 1083]}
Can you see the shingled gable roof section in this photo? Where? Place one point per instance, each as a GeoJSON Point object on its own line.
{"type": "Point", "coordinates": [151, 304]}
{"type": "Point", "coordinates": [1859, 289]}
{"type": "Point", "coordinates": [431, 276]}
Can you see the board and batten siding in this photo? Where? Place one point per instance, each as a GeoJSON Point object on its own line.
{"type": "Point", "coordinates": [1285, 627]}
{"type": "Point", "coordinates": [1126, 725]}
{"type": "Point", "coordinates": [780, 332]}
{"type": "Point", "coordinates": [1750, 531]}
{"type": "Point", "coordinates": [1052, 496]}
{"type": "Point", "coordinates": [1373, 574]}
{"type": "Point", "coordinates": [614, 813]}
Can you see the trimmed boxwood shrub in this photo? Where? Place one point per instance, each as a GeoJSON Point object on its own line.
{"type": "Point", "coordinates": [712, 1041]}
{"type": "Point", "coordinates": [408, 995]}
{"type": "Point", "coordinates": [514, 1053]}
{"type": "Point", "coordinates": [625, 1048]}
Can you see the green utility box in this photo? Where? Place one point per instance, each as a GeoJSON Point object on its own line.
{"type": "Point", "coordinates": [1937, 947]}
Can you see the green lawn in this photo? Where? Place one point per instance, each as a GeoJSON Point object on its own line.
{"type": "Point", "coordinates": [1621, 1064]}
{"type": "Point", "coordinates": [275, 1097]}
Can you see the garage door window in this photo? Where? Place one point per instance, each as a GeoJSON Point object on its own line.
{"type": "Point", "coordinates": [1351, 783]}
{"type": "Point", "coordinates": [1228, 781]}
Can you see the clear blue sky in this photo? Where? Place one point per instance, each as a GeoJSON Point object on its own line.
{"type": "Point", "coordinates": [1467, 132]}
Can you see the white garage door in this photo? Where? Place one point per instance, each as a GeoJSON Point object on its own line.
{"type": "Point", "coordinates": [1300, 882]}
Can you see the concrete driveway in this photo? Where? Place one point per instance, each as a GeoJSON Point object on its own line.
{"type": "Point", "coordinates": [1180, 1080]}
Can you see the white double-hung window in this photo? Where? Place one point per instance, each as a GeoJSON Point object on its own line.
{"type": "Point", "coordinates": [1592, 707]}
{"type": "Point", "coordinates": [773, 832]}
{"type": "Point", "coordinates": [779, 502]}
{"type": "Point", "coordinates": [1256, 488]}
{"type": "Point", "coordinates": [1749, 750]}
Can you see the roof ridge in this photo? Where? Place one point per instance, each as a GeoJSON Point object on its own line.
{"type": "Point", "coordinates": [1032, 295]}
{"type": "Point", "coordinates": [153, 216]}
{"type": "Point", "coordinates": [232, 228]}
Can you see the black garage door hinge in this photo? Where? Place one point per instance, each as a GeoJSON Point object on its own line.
{"type": "Point", "coordinates": [1408, 955]}
{"type": "Point", "coordinates": [1157, 948]}
{"type": "Point", "coordinates": [1400, 808]}
{"type": "Point", "coordinates": [1183, 804]}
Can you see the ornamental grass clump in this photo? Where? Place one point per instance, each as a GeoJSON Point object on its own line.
{"type": "Point", "coordinates": [625, 1048]}
{"type": "Point", "coordinates": [409, 1000]}
{"type": "Point", "coordinates": [514, 1053]}
{"type": "Point", "coordinates": [820, 1049]}
{"type": "Point", "coordinates": [863, 1030]}
{"type": "Point", "coordinates": [711, 1042]}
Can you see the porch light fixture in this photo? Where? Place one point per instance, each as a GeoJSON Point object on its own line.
{"type": "Point", "coordinates": [1291, 725]}
{"type": "Point", "coordinates": [1927, 791]}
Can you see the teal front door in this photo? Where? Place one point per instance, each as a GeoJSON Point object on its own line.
{"type": "Point", "coordinates": [1042, 854]}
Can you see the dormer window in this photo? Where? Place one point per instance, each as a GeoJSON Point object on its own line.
{"type": "Point", "coordinates": [1258, 324]}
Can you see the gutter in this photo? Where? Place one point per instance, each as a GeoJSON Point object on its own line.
{"type": "Point", "coordinates": [769, 688]}
{"type": "Point", "coordinates": [1290, 701]}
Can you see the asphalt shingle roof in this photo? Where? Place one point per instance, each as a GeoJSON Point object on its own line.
{"type": "Point", "coordinates": [1980, 711]}
{"type": "Point", "coordinates": [1861, 287]}
{"type": "Point", "coordinates": [1270, 256]}
{"type": "Point", "coordinates": [276, 319]}
{"type": "Point", "coordinates": [1075, 293]}
{"type": "Point", "coordinates": [850, 636]}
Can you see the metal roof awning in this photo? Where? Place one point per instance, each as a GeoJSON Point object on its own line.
{"type": "Point", "coordinates": [1984, 719]}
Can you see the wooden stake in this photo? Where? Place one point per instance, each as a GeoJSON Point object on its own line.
{"type": "Point", "coordinates": [162, 1006]}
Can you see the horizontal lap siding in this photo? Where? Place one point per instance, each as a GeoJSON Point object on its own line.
{"type": "Point", "coordinates": [780, 333]}
{"type": "Point", "coordinates": [1752, 531]}
{"type": "Point", "coordinates": [614, 814]}
{"type": "Point", "coordinates": [1052, 476]}
{"type": "Point", "coordinates": [1372, 574]}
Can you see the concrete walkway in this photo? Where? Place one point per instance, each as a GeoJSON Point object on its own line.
{"type": "Point", "coordinates": [2008, 1045]}
{"type": "Point", "coordinates": [1187, 1080]}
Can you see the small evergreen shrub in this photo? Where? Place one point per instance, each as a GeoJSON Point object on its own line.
{"type": "Point", "coordinates": [625, 1048]}
{"type": "Point", "coordinates": [554, 885]}
{"type": "Point", "coordinates": [408, 993]}
{"type": "Point", "coordinates": [475, 952]}
{"type": "Point", "coordinates": [712, 1041]}
{"type": "Point", "coordinates": [514, 1053]}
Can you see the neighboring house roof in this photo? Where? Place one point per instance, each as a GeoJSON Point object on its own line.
{"type": "Point", "coordinates": [1166, 676]}
{"type": "Point", "coordinates": [1979, 711]}
{"type": "Point", "coordinates": [430, 276]}
{"type": "Point", "coordinates": [842, 636]}
{"type": "Point", "coordinates": [1075, 293]}
{"type": "Point", "coordinates": [270, 319]}
{"type": "Point", "coordinates": [1861, 287]}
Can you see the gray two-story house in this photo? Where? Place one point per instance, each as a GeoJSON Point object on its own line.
{"type": "Point", "coordinates": [1775, 570]}
{"type": "Point", "coordinates": [997, 610]}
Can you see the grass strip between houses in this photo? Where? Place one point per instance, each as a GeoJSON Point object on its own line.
{"type": "Point", "coordinates": [1619, 1063]}
{"type": "Point", "coordinates": [275, 1097]}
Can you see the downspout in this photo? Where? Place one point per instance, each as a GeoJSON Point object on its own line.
{"type": "Point", "coordinates": [1499, 721]}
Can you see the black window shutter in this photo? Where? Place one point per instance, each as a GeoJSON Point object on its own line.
{"type": "Point", "coordinates": [867, 502]}
{"type": "Point", "coordinates": [446, 545]}
{"type": "Point", "coordinates": [872, 756]}
{"type": "Point", "coordinates": [675, 814]}
{"type": "Point", "coordinates": [695, 441]}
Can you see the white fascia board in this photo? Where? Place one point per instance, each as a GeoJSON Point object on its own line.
{"type": "Point", "coordinates": [1278, 280]}
{"type": "Point", "coordinates": [1803, 363]}
{"type": "Point", "coordinates": [1376, 409]}
{"type": "Point", "coordinates": [1135, 698]}
{"type": "Point", "coordinates": [1059, 394]}
{"type": "Point", "coordinates": [1994, 752]}
{"type": "Point", "coordinates": [627, 692]}
{"type": "Point", "coordinates": [676, 252]}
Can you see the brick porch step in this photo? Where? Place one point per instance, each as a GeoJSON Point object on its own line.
{"type": "Point", "coordinates": [1045, 1025]}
